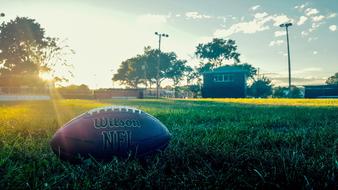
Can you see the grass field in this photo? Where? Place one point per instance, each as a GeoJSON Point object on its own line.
{"type": "Point", "coordinates": [216, 144]}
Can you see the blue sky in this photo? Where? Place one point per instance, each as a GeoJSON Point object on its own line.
{"type": "Point", "coordinates": [103, 33]}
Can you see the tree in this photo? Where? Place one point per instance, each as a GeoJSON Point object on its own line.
{"type": "Point", "coordinates": [55, 59]}
{"type": "Point", "coordinates": [280, 92]}
{"type": "Point", "coordinates": [26, 52]}
{"type": "Point", "coordinates": [296, 92]}
{"type": "Point", "coordinates": [142, 69]}
{"type": "Point", "coordinates": [217, 51]}
{"type": "Point", "coordinates": [157, 71]}
{"type": "Point", "coordinates": [332, 79]}
{"type": "Point", "coordinates": [198, 72]}
{"type": "Point", "coordinates": [195, 89]}
{"type": "Point", "coordinates": [130, 72]}
{"type": "Point", "coordinates": [177, 71]}
{"type": "Point", "coordinates": [261, 88]}
{"type": "Point", "coordinates": [251, 71]}
{"type": "Point", "coordinates": [283, 92]}
{"type": "Point", "coordinates": [150, 61]}
{"type": "Point", "coordinates": [75, 91]}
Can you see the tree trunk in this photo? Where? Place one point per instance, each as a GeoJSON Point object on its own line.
{"type": "Point", "coordinates": [157, 88]}
{"type": "Point", "coordinates": [175, 86]}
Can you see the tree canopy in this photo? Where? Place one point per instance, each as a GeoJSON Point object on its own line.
{"type": "Point", "coordinates": [261, 88]}
{"type": "Point", "coordinates": [283, 92]}
{"type": "Point", "coordinates": [332, 79]}
{"type": "Point", "coordinates": [177, 71]}
{"type": "Point", "coordinates": [26, 52]}
{"type": "Point", "coordinates": [218, 51]}
{"type": "Point", "coordinates": [142, 69]}
{"type": "Point", "coordinates": [130, 72]}
{"type": "Point", "coordinates": [215, 54]}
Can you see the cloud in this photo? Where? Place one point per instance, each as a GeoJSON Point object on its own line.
{"type": "Point", "coordinates": [298, 81]}
{"type": "Point", "coordinates": [196, 15]}
{"type": "Point", "coordinates": [302, 20]}
{"type": "Point", "coordinates": [280, 33]}
{"type": "Point", "coordinates": [261, 15]}
{"type": "Point", "coordinates": [280, 19]}
{"type": "Point", "coordinates": [332, 15]}
{"type": "Point", "coordinates": [153, 19]}
{"type": "Point", "coordinates": [311, 11]}
{"type": "Point", "coordinates": [259, 23]}
{"type": "Point", "coordinates": [255, 7]}
{"type": "Point", "coordinates": [304, 71]}
{"type": "Point", "coordinates": [301, 7]}
{"type": "Point", "coordinates": [243, 27]}
{"type": "Point", "coordinates": [333, 28]}
{"type": "Point", "coordinates": [276, 42]}
{"type": "Point", "coordinates": [304, 76]}
{"type": "Point", "coordinates": [315, 20]}
{"type": "Point", "coordinates": [308, 70]}
{"type": "Point", "coordinates": [318, 18]}
{"type": "Point", "coordinates": [315, 52]}
{"type": "Point", "coordinates": [314, 26]}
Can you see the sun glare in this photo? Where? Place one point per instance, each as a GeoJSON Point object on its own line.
{"type": "Point", "coordinates": [46, 76]}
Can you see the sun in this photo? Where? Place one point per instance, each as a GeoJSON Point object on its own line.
{"type": "Point", "coordinates": [46, 76]}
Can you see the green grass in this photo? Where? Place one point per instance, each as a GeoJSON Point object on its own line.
{"type": "Point", "coordinates": [215, 145]}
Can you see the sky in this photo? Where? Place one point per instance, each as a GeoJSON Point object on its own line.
{"type": "Point", "coordinates": [103, 33]}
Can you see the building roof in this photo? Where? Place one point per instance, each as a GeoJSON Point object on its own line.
{"type": "Point", "coordinates": [322, 86]}
{"type": "Point", "coordinates": [226, 69]}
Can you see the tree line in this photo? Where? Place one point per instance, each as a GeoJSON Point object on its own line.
{"type": "Point", "coordinates": [26, 52]}
{"type": "Point", "coordinates": [153, 66]}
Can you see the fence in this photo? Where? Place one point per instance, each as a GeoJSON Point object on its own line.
{"type": "Point", "coordinates": [23, 91]}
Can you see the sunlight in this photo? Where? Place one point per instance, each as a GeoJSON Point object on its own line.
{"type": "Point", "coordinates": [62, 113]}
{"type": "Point", "coordinates": [46, 76]}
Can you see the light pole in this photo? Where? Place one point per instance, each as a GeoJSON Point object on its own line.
{"type": "Point", "coordinates": [160, 35]}
{"type": "Point", "coordinates": [286, 25]}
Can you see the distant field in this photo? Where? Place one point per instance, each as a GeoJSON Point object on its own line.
{"type": "Point", "coordinates": [217, 143]}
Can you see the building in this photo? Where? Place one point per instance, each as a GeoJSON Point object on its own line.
{"type": "Point", "coordinates": [224, 82]}
{"type": "Point", "coordinates": [321, 91]}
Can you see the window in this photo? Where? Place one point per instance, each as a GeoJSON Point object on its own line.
{"type": "Point", "coordinates": [224, 78]}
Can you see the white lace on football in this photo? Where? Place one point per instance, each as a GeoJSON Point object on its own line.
{"type": "Point", "coordinates": [114, 109]}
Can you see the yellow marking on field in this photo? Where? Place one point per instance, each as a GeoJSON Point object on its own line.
{"type": "Point", "coordinates": [275, 101]}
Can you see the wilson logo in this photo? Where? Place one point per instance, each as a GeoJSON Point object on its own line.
{"type": "Point", "coordinates": [102, 123]}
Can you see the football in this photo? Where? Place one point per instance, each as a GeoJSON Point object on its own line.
{"type": "Point", "coordinates": [105, 132]}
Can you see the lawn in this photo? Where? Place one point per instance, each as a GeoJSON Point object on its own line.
{"type": "Point", "coordinates": [216, 144]}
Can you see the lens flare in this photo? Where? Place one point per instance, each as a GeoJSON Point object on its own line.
{"type": "Point", "coordinates": [46, 76]}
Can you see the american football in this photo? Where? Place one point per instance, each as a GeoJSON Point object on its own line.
{"type": "Point", "coordinates": [110, 131]}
